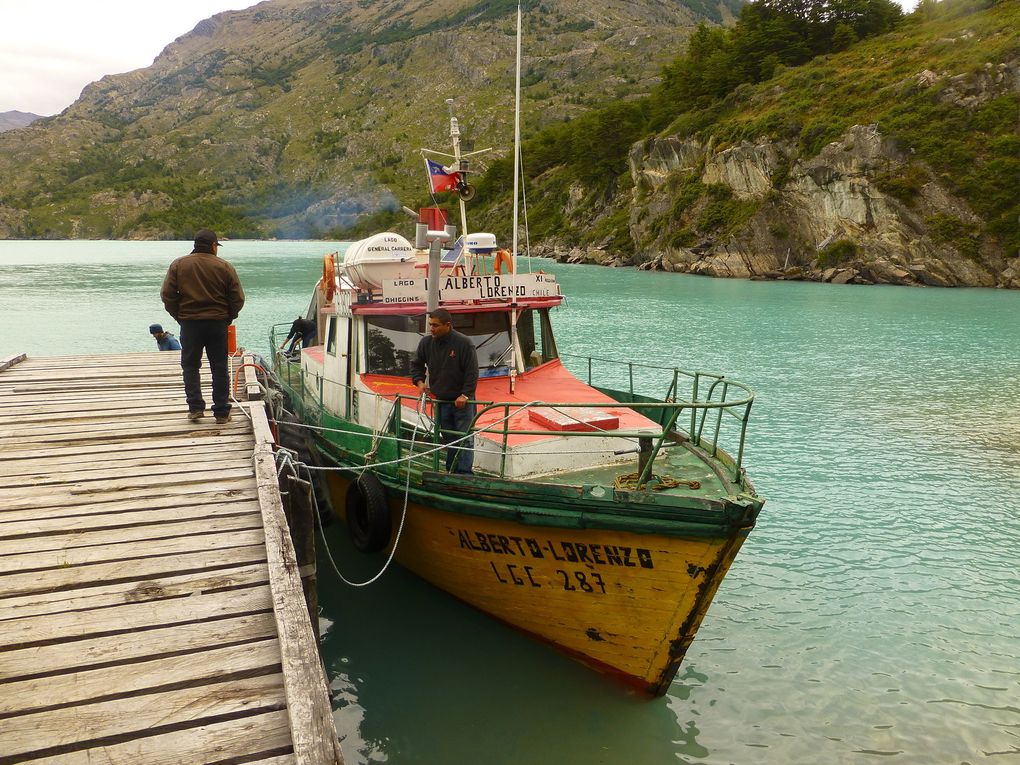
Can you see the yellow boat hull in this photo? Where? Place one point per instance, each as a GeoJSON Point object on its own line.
{"type": "Point", "coordinates": [628, 604]}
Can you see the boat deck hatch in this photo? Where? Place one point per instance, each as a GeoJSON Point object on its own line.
{"type": "Point", "coordinates": [574, 419]}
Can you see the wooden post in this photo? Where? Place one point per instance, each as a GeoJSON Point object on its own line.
{"type": "Point", "coordinates": [311, 719]}
{"type": "Point", "coordinates": [10, 361]}
{"type": "Point", "coordinates": [300, 516]}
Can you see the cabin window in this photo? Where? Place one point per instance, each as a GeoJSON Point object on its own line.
{"type": "Point", "coordinates": [534, 330]}
{"type": "Point", "coordinates": [331, 335]}
{"type": "Point", "coordinates": [392, 342]}
{"type": "Point", "coordinates": [490, 332]}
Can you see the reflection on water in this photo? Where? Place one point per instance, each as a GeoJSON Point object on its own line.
{"type": "Point", "coordinates": [871, 615]}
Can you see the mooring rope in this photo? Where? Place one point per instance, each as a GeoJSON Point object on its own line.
{"type": "Point", "coordinates": [629, 481]}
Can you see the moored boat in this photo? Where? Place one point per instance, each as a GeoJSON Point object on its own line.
{"type": "Point", "coordinates": [603, 511]}
{"type": "Point", "coordinates": [599, 518]}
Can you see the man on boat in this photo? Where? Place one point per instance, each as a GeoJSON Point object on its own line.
{"type": "Point", "coordinates": [202, 292]}
{"type": "Point", "coordinates": [451, 363]}
{"type": "Point", "coordinates": [301, 331]}
{"type": "Point", "coordinates": [165, 341]}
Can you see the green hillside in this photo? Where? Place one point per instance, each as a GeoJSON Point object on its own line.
{"type": "Point", "coordinates": [941, 85]}
{"type": "Point", "coordinates": [295, 117]}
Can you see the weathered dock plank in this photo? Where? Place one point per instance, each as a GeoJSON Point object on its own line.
{"type": "Point", "coordinates": [150, 604]}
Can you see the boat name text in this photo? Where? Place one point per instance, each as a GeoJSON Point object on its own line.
{"type": "Point", "coordinates": [567, 552]}
{"type": "Point", "coordinates": [467, 288]}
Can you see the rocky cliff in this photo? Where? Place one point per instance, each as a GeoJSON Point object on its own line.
{"type": "Point", "coordinates": [864, 209]}
{"type": "Point", "coordinates": [797, 226]}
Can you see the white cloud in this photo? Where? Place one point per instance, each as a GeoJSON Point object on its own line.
{"type": "Point", "coordinates": [51, 49]}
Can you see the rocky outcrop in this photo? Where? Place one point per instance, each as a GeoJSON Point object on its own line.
{"type": "Point", "coordinates": [825, 217]}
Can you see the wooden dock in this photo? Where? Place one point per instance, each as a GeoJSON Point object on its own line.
{"type": "Point", "coordinates": [150, 605]}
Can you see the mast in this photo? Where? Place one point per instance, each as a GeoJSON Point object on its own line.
{"type": "Point", "coordinates": [515, 345]}
{"type": "Point", "coordinates": [455, 137]}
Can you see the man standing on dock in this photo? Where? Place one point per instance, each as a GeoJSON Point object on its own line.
{"type": "Point", "coordinates": [451, 361]}
{"type": "Point", "coordinates": [202, 292]}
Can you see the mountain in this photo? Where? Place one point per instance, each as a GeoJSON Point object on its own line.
{"type": "Point", "coordinates": [293, 117]}
{"type": "Point", "coordinates": [15, 119]}
{"type": "Point", "coordinates": [895, 160]}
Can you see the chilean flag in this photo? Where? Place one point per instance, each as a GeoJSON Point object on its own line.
{"type": "Point", "coordinates": [442, 178]}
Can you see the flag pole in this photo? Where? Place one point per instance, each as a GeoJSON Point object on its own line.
{"type": "Point", "coordinates": [515, 353]}
{"type": "Point", "coordinates": [455, 136]}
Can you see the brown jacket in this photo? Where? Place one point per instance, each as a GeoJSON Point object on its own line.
{"type": "Point", "coordinates": [202, 286]}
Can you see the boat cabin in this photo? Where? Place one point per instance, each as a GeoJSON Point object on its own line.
{"type": "Point", "coordinates": [371, 311]}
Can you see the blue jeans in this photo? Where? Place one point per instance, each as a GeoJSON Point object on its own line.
{"type": "Point", "coordinates": [210, 335]}
{"type": "Point", "coordinates": [454, 424]}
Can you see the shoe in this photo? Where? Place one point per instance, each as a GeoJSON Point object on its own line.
{"type": "Point", "coordinates": [195, 416]}
{"type": "Point", "coordinates": [222, 419]}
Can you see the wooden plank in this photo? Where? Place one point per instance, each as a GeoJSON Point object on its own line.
{"type": "Point", "coordinates": [74, 577]}
{"type": "Point", "coordinates": [54, 658]}
{"type": "Point", "coordinates": [138, 536]}
{"type": "Point", "coordinates": [312, 728]}
{"type": "Point", "coordinates": [212, 474]}
{"type": "Point", "coordinates": [73, 625]}
{"type": "Point", "coordinates": [223, 488]}
{"type": "Point", "coordinates": [248, 737]}
{"type": "Point", "coordinates": [138, 714]}
{"type": "Point", "coordinates": [88, 360]}
{"type": "Point", "coordinates": [73, 557]}
{"type": "Point", "coordinates": [84, 472]}
{"type": "Point", "coordinates": [127, 465]}
{"type": "Point", "coordinates": [283, 759]}
{"type": "Point", "coordinates": [20, 523]}
{"type": "Point", "coordinates": [126, 448]}
{"type": "Point", "coordinates": [75, 485]}
{"type": "Point", "coordinates": [159, 506]}
{"type": "Point", "coordinates": [104, 594]}
{"type": "Point", "coordinates": [115, 433]}
{"type": "Point", "coordinates": [10, 361]}
{"type": "Point", "coordinates": [23, 696]}
{"type": "Point", "coordinates": [168, 394]}
{"type": "Point", "coordinates": [87, 412]}
{"type": "Point", "coordinates": [253, 390]}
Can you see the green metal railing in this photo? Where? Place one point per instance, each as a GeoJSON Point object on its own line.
{"type": "Point", "coordinates": [703, 417]}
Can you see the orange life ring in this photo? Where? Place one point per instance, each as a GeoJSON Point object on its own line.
{"type": "Point", "coordinates": [328, 277]}
{"type": "Point", "coordinates": [503, 257]}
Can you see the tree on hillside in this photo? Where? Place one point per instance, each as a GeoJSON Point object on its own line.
{"type": "Point", "coordinates": [768, 33]}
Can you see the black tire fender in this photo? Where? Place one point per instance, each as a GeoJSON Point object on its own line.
{"type": "Point", "coordinates": [368, 514]}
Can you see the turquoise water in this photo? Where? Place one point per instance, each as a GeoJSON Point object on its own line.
{"type": "Point", "coordinates": [871, 616]}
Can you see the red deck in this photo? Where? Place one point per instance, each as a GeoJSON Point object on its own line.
{"type": "Point", "coordinates": [547, 384]}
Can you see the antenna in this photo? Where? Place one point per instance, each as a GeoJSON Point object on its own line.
{"type": "Point", "coordinates": [517, 172]}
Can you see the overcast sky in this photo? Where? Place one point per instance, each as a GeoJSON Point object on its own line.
{"type": "Point", "coordinates": [51, 49]}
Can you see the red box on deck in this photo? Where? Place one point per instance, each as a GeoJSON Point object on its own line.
{"type": "Point", "coordinates": [434, 217]}
{"type": "Point", "coordinates": [578, 419]}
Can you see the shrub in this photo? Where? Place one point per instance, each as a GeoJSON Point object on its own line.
{"type": "Point", "coordinates": [840, 251]}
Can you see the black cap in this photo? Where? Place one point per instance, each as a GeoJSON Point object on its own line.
{"type": "Point", "coordinates": [206, 238]}
{"type": "Point", "coordinates": [154, 328]}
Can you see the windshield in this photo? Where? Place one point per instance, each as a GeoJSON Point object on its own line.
{"type": "Point", "coordinates": [393, 340]}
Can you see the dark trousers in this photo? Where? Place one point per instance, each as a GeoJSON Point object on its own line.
{"type": "Point", "coordinates": [454, 423]}
{"type": "Point", "coordinates": [210, 335]}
